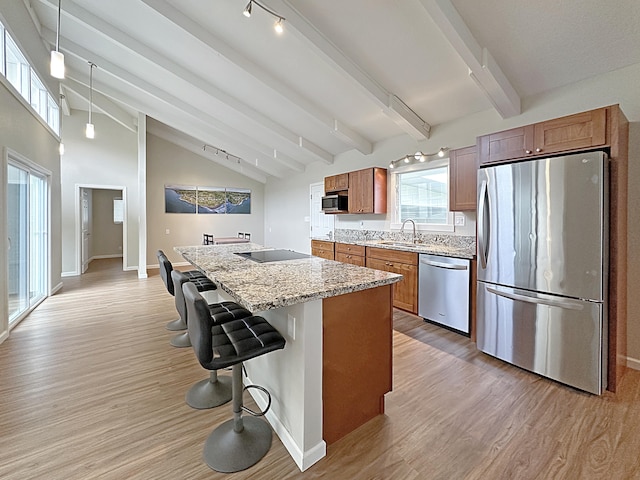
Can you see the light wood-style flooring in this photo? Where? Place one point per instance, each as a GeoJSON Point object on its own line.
{"type": "Point", "coordinates": [91, 389]}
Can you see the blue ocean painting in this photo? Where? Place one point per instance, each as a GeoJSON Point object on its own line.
{"type": "Point", "coordinates": [179, 199]}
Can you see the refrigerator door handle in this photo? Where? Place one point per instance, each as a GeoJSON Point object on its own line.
{"type": "Point", "coordinates": [483, 216]}
{"type": "Point", "coordinates": [560, 302]}
{"type": "Point", "coordinates": [449, 266]}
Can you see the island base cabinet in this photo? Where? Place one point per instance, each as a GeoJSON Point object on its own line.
{"type": "Point", "coordinates": [357, 361]}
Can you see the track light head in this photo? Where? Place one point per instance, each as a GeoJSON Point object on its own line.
{"type": "Point", "coordinates": [278, 26]}
{"type": "Point", "coordinates": [247, 9]}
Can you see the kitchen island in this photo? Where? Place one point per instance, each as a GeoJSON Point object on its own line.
{"type": "Point", "coordinates": [337, 320]}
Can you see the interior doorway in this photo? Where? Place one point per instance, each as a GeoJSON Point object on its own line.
{"type": "Point", "coordinates": [321, 225]}
{"type": "Point", "coordinates": [101, 224]}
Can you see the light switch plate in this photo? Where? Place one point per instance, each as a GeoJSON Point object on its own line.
{"type": "Point", "coordinates": [459, 219]}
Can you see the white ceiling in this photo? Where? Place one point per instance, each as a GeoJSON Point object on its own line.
{"type": "Point", "coordinates": [343, 75]}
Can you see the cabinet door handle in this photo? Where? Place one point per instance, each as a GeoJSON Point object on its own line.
{"type": "Point", "coordinates": [538, 150]}
{"type": "Point", "coordinates": [528, 151]}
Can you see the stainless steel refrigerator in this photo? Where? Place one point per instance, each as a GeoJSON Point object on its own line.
{"type": "Point", "coordinates": [542, 266]}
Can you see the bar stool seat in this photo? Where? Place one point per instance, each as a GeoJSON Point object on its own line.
{"type": "Point", "coordinates": [239, 443]}
{"type": "Point", "coordinates": [202, 282]}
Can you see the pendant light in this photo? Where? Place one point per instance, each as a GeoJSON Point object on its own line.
{"type": "Point", "coordinates": [57, 58]}
{"type": "Point", "coordinates": [90, 131]}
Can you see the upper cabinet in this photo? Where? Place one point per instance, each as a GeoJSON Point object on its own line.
{"type": "Point", "coordinates": [336, 183]}
{"type": "Point", "coordinates": [581, 131]}
{"type": "Point", "coordinates": [463, 174]}
{"type": "Point", "coordinates": [368, 191]}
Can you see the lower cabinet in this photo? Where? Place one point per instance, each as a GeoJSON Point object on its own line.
{"type": "Point", "coordinates": [405, 292]}
{"type": "Point", "coordinates": [322, 248]}
{"type": "Point", "coordinates": [348, 253]}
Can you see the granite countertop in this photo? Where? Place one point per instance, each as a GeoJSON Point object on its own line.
{"type": "Point", "coordinates": [265, 286]}
{"type": "Point", "coordinates": [433, 249]}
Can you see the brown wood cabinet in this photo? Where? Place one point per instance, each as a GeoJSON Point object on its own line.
{"type": "Point", "coordinates": [348, 253]}
{"type": "Point", "coordinates": [336, 183]}
{"type": "Point", "coordinates": [368, 191]}
{"type": "Point", "coordinates": [322, 248]}
{"type": "Point", "coordinates": [577, 132]}
{"type": "Point", "coordinates": [463, 175]}
{"type": "Point", "coordinates": [405, 292]}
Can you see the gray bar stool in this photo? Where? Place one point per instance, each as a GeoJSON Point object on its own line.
{"type": "Point", "coordinates": [200, 279]}
{"type": "Point", "coordinates": [213, 391]}
{"type": "Point", "coordinates": [239, 443]}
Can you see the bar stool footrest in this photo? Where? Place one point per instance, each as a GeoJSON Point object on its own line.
{"type": "Point", "coordinates": [262, 389]}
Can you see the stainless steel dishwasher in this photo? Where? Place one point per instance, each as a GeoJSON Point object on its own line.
{"type": "Point", "coordinates": [443, 291]}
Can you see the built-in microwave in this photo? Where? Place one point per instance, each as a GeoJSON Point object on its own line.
{"type": "Point", "coordinates": [335, 203]}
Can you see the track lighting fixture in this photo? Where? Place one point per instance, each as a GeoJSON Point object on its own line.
{"type": "Point", "coordinates": [57, 58]}
{"type": "Point", "coordinates": [278, 26]}
{"type": "Point", "coordinates": [419, 157]}
{"type": "Point", "coordinates": [227, 155]}
{"type": "Point", "coordinates": [90, 131]}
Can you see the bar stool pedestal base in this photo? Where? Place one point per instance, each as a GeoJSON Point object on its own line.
{"type": "Point", "coordinates": [228, 451]}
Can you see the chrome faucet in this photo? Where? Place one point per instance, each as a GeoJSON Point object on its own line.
{"type": "Point", "coordinates": [414, 228]}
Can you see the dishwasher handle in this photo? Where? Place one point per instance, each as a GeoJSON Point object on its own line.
{"type": "Point", "coordinates": [448, 266]}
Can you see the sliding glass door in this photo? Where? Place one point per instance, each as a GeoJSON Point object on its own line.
{"type": "Point", "coordinates": [27, 221]}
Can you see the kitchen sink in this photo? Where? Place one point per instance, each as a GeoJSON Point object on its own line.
{"type": "Point", "coordinates": [398, 244]}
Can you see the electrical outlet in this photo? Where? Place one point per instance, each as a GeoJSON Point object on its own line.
{"type": "Point", "coordinates": [459, 219]}
{"type": "Point", "coordinates": [291, 326]}
{"type": "Point", "coordinates": [167, 231]}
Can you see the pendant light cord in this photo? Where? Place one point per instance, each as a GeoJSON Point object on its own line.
{"type": "Point", "coordinates": [91, 89]}
{"type": "Point", "coordinates": [58, 29]}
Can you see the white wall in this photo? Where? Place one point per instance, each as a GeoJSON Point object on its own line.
{"type": "Point", "coordinates": [108, 160]}
{"type": "Point", "coordinates": [169, 164]}
{"type": "Point", "coordinates": [291, 194]}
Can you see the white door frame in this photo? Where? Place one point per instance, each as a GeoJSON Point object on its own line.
{"type": "Point", "coordinates": [78, 210]}
{"type": "Point", "coordinates": [19, 160]}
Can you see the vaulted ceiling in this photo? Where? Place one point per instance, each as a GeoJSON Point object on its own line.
{"type": "Point", "coordinates": [343, 75]}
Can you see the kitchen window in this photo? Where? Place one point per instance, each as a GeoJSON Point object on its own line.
{"type": "Point", "coordinates": [421, 193]}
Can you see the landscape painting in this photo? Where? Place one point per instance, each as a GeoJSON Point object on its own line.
{"type": "Point", "coordinates": [221, 200]}
{"type": "Point", "coordinates": [238, 200]}
{"type": "Point", "coordinates": [212, 200]}
{"type": "Point", "coordinates": [180, 199]}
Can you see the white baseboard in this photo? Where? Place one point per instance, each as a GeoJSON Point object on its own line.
{"type": "Point", "coordinates": [56, 288]}
{"type": "Point", "coordinates": [3, 336]}
{"type": "Point", "coordinates": [112, 255]}
{"type": "Point", "coordinates": [69, 274]}
{"type": "Point", "coordinates": [633, 363]}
